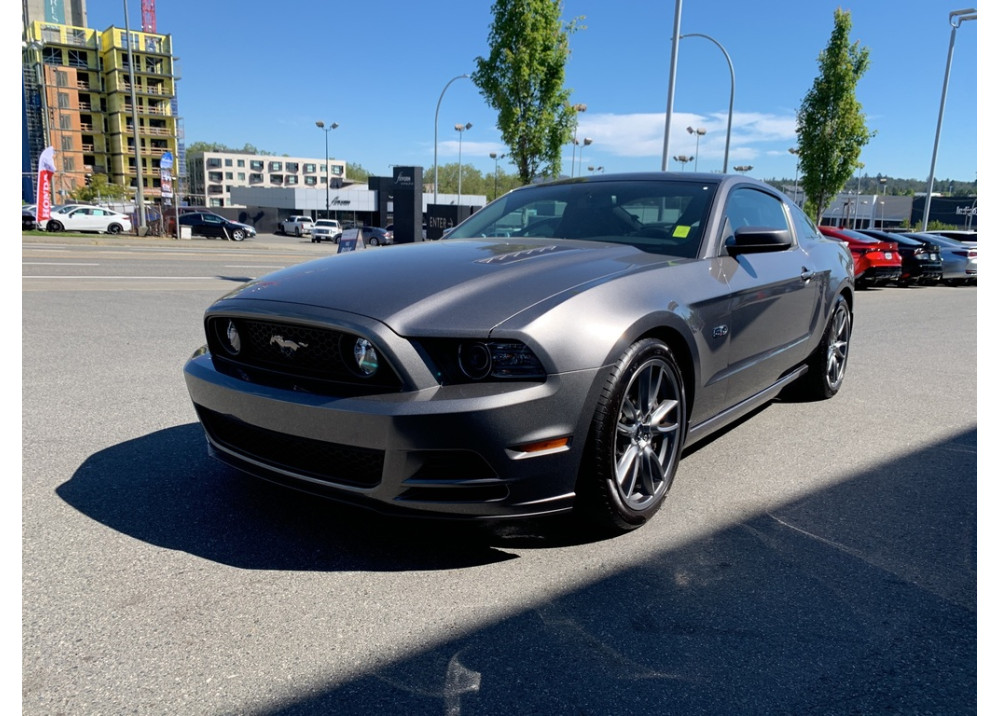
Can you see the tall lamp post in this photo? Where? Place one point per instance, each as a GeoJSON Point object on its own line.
{"type": "Point", "coordinates": [955, 18]}
{"type": "Point", "coordinates": [732, 93]}
{"type": "Point", "coordinates": [461, 129]}
{"type": "Point", "coordinates": [141, 229]}
{"type": "Point", "coordinates": [438, 109]}
{"type": "Point", "coordinates": [496, 169]}
{"type": "Point", "coordinates": [795, 152]}
{"type": "Point", "coordinates": [698, 133]}
{"type": "Point", "coordinates": [577, 108]}
{"type": "Point", "coordinates": [326, 143]}
{"type": "Point", "coordinates": [587, 141]}
{"type": "Point", "coordinates": [683, 159]}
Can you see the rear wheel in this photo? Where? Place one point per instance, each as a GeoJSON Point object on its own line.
{"type": "Point", "coordinates": [636, 438]}
{"type": "Point", "coordinates": [53, 225]}
{"type": "Point", "coordinates": [115, 229]}
{"type": "Point", "coordinates": [373, 241]}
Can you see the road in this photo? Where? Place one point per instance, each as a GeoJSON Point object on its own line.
{"type": "Point", "coordinates": [816, 558]}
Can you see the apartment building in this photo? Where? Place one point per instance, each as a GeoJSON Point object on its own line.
{"type": "Point", "coordinates": [213, 175]}
{"type": "Point", "coordinates": [92, 95]}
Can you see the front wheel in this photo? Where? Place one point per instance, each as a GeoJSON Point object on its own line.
{"type": "Point", "coordinates": [635, 441]}
{"type": "Point", "coordinates": [53, 225]}
{"type": "Point", "coordinates": [373, 241]}
{"type": "Point", "coordinates": [239, 235]}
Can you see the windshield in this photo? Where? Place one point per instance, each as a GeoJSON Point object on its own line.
{"type": "Point", "coordinates": [658, 216]}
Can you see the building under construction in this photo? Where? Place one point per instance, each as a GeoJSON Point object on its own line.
{"type": "Point", "coordinates": [106, 100]}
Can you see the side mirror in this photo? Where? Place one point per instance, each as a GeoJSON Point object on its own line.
{"type": "Point", "coordinates": [758, 240]}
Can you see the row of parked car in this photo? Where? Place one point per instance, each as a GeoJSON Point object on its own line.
{"type": "Point", "coordinates": [78, 217]}
{"type": "Point", "coordinates": [908, 258]}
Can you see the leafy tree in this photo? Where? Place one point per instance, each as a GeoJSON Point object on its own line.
{"type": "Point", "coordinates": [523, 80]}
{"type": "Point", "coordinates": [356, 172]}
{"type": "Point", "coordinates": [830, 124]}
{"type": "Point", "coordinates": [100, 189]}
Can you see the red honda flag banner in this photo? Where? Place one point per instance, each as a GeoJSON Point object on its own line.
{"type": "Point", "coordinates": [46, 168]}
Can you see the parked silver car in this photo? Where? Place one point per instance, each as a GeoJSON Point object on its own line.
{"type": "Point", "coordinates": [563, 367]}
{"type": "Point", "coordinates": [959, 259]}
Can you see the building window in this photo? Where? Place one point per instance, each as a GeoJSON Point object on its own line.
{"type": "Point", "coordinates": [65, 121]}
{"type": "Point", "coordinates": [63, 100]}
{"type": "Point", "coordinates": [68, 164]}
{"type": "Point", "coordinates": [77, 58]}
{"type": "Point", "coordinates": [213, 163]}
{"type": "Point", "coordinates": [241, 176]}
{"type": "Point", "coordinates": [229, 162]}
{"type": "Point", "coordinates": [310, 181]}
{"type": "Point", "coordinates": [309, 168]}
{"type": "Point", "coordinates": [67, 142]}
{"type": "Point", "coordinates": [256, 178]}
{"type": "Point", "coordinates": [215, 203]}
{"type": "Point", "coordinates": [215, 176]}
{"type": "Point", "coordinates": [61, 80]}
{"type": "Point", "coordinates": [291, 179]}
{"type": "Point", "coordinates": [241, 162]}
{"type": "Point", "coordinates": [337, 170]}
{"type": "Point", "coordinates": [277, 179]}
{"type": "Point", "coordinates": [229, 176]}
{"type": "Point", "coordinates": [257, 165]}
{"type": "Point", "coordinates": [274, 166]}
{"type": "Point", "coordinates": [292, 167]}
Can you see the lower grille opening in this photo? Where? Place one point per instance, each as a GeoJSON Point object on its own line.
{"type": "Point", "coordinates": [318, 459]}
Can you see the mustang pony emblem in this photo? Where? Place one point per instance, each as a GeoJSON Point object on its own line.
{"type": "Point", "coordinates": [288, 347]}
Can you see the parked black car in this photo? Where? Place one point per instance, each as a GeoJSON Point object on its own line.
{"type": "Point", "coordinates": [27, 220]}
{"type": "Point", "coordinates": [921, 259]}
{"type": "Point", "coordinates": [204, 223]}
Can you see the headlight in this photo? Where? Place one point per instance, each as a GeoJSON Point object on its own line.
{"type": "Point", "coordinates": [468, 361]}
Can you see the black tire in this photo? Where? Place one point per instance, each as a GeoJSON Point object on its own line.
{"type": "Point", "coordinates": [53, 225]}
{"type": "Point", "coordinates": [298, 231]}
{"type": "Point", "coordinates": [373, 241]}
{"type": "Point", "coordinates": [828, 363]}
{"type": "Point", "coordinates": [115, 229]}
{"type": "Point", "coordinates": [239, 234]}
{"type": "Point", "coordinates": [635, 441]}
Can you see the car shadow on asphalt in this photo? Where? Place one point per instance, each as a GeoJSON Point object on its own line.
{"type": "Point", "coordinates": [164, 489]}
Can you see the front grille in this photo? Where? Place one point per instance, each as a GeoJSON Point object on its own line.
{"type": "Point", "coordinates": [321, 460]}
{"type": "Point", "coordinates": [294, 357]}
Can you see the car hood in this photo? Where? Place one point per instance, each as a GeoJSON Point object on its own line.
{"type": "Point", "coordinates": [440, 288]}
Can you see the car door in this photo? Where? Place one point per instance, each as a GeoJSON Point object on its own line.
{"type": "Point", "coordinates": [775, 297]}
{"type": "Point", "coordinates": [211, 225]}
{"type": "Point", "coordinates": [82, 219]}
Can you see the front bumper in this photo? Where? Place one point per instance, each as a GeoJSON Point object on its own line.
{"type": "Point", "coordinates": [450, 451]}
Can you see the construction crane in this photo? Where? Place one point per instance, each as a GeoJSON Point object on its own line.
{"type": "Point", "coordinates": [149, 15]}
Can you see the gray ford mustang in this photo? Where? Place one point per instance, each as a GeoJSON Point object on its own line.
{"type": "Point", "coordinates": [556, 352]}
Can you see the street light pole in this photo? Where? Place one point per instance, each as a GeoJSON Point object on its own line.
{"type": "Point", "coordinates": [461, 129]}
{"type": "Point", "coordinates": [496, 164]}
{"type": "Point", "coordinates": [795, 151]}
{"type": "Point", "coordinates": [683, 159]}
{"type": "Point", "coordinates": [587, 141]}
{"type": "Point", "coordinates": [698, 134]}
{"type": "Point", "coordinates": [577, 108]}
{"type": "Point", "coordinates": [955, 19]}
{"type": "Point", "coordinates": [326, 137]}
{"type": "Point", "coordinates": [438, 109]}
{"type": "Point", "coordinates": [141, 229]}
{"type": "Point", "coordinates": [732, 94]}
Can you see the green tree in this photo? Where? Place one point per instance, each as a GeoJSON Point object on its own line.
{"type": "Point", "coordinates": [356, 172]}
{"type": "Point", "coordinates": [830, 124]}
{"type": "Point", "coordinates": [100, 189]}
{"type": "Point", "coordinates": [523, 80]}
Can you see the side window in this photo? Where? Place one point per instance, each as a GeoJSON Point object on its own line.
{"type": "Point", "coordinates": [804, 226]}
{"type": "Point", "coordinates": [750, 207]}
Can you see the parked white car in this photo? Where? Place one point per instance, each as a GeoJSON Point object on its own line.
{"type": "Point", "coordinates": [90, 218]}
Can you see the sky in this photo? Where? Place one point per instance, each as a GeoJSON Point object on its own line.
{"type": "Point", "coordinates": [262, 73]}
